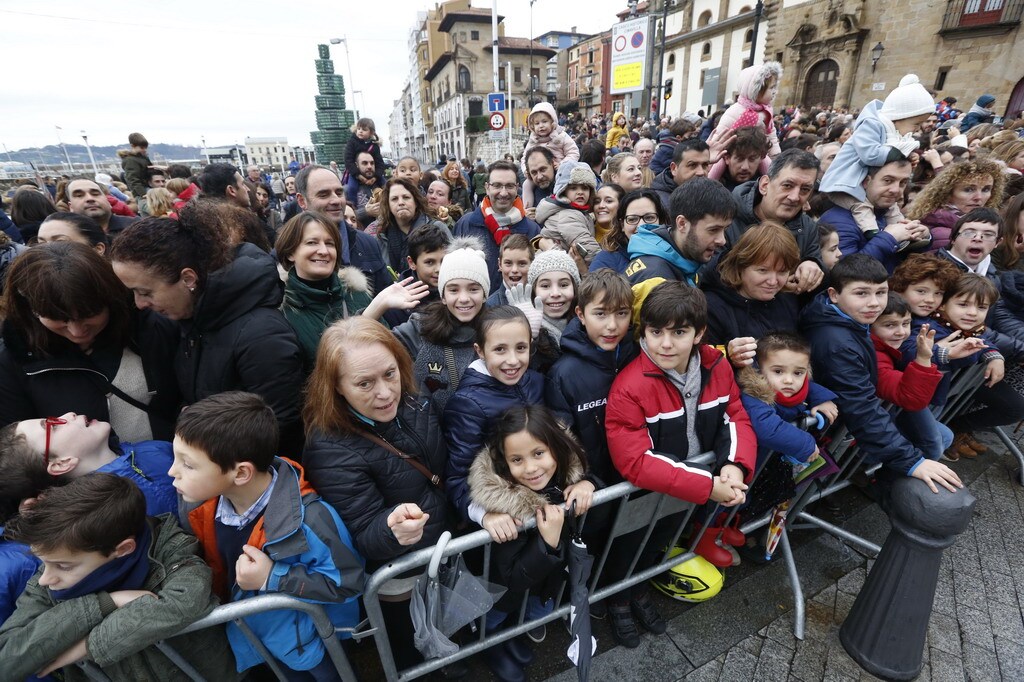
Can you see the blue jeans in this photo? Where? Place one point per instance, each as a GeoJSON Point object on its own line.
{"type": "Point", "coordinates": [535, 608]}
{"type": "Point", "coordinates": [927, 433]}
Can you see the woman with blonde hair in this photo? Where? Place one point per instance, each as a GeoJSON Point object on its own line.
{"type": "Point", "coordinates": [159, 202]}
{"type": "Point", "coordinates": [624, 170]}
{"type": "Point", "coordinates": [374, 450]}
{"type": "Point", "coordinates": [955, 191]}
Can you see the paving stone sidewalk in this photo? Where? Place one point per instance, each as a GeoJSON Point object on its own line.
{"type": "Point", "coordinates": [746, 633]}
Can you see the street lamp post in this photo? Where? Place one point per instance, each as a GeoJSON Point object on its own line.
{"type": "Point", "coordinates": [530, 98]}
{"type": "Point", "coordinates": [206, 152]}
{"type": "Point", "coordinates": [61, 143]}
{"type": "Point", "coordinates": [348, 59]}
{"type": "Point", "coordinates": [758, 11]}
{"type": "Point", "coordinates": [92, 159]}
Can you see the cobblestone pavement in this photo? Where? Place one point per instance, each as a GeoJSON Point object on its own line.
{"type": "Point", "coordinates": [746, 633]}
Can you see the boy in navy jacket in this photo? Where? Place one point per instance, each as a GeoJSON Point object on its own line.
{"type": "Point", "coordinates": [837, 323]}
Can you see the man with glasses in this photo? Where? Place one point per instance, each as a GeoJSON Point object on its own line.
{"type": "Point", "coordinates": [500, 213]}
{"type": "Point", "coordinates": [700, 214]}
{"type": "Point", "coordinates": [691, 159]}
{"type": "Point", "coordinates": [972, 241]}
{"type": "Point", "coordinates": [883, 186]}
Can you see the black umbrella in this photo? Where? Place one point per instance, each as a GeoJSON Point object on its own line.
{"type": "Point", "coordinates": [583, 645]}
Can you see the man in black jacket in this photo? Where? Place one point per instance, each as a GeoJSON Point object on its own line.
{"type": "Point", "coordinates": [781, 196]}
{"type": "Point", "coordinates": [318, 189]}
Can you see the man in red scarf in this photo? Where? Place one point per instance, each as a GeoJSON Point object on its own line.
{"type": "Point", "coordinates": [500, 214]}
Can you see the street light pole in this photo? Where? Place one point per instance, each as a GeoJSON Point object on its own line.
{"type": "Point", "coordinates": [530, 98]}
{"type": "Point", "coordinates": [348, 59]}
{"type": "Point", "coordinates": [206, 152]}
{"type": "Point", "coordinates": [92, 159]}
{"type": "Point", "coordinates": [758, 11]}
{"type": "Point", "coordinates": [494, 44]}
{"type": "Point", "coordinates": [61, 143]}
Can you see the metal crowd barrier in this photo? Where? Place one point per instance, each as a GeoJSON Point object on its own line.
{"type": "Point", "coordinates": [238, 610]}
{"type": "Point", "coordinates": [632, 514]}
{"type": "Point", "coordinates": [636, 510]}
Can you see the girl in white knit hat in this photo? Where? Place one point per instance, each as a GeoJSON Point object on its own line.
{"type": "Point", "coordinates": [440, 337]}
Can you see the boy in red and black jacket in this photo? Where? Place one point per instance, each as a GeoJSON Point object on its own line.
{"type": "Point", "coordinates": [679, 398]}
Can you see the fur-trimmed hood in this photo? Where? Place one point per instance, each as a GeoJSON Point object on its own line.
{"type": "Point", "coordinates": [755, 385]}
{"type": "Point", "coordinates": [351, 277]}
{"type": "Point", "coordinates": [496, 494]}
{"type": "Point", "coordinates": [753, 78]}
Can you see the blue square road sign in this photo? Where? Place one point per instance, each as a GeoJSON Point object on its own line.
{"type": "Point", "coordinates": [495, 102]}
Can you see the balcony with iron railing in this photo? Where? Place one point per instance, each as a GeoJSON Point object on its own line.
{"type": "Point", "coordinates": [973, 17]}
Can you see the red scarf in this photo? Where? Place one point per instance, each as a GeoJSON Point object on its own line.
{"type": "Point", "coordinates": [500, 224]}
{"type": "Point", "coordinates": [797, 398]}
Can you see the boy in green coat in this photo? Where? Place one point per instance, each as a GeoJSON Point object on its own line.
{"type": "Point", "coordinates": [113, 582]}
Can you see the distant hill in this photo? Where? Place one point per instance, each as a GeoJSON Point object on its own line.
{"type": "Point", "coordinates": [53, 155]}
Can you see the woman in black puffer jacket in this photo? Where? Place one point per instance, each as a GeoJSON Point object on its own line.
{"type": "Point", "coordinates": [745, 296]}
{"type": "Point", "coordinates": [227, 294]}
{"type": "Point", "coordinates": [360, 404]}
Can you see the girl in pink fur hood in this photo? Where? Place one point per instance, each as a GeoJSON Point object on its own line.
{"type": "Point", "coordinates": [758, 86]}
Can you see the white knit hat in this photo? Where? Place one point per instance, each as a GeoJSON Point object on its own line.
{"type": "Point", "coordinates": [554, 260]}
{"type": "Point", "coordinates": [465, 260]}
{"type": "Point", "coordinates": [909, 99]}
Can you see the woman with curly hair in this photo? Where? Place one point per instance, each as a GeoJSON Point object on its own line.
{"type": "Point", "coordinates": [402, 209]}
{"type": "Point", "coordinates": [955, 191]}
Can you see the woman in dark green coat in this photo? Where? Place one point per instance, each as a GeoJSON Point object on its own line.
{"type": "Point", "coordinates": [317, 294]}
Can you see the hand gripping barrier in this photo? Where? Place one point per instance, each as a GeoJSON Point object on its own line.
{"type": "Point", "coordinates": [238, 610]}
{"type": "Point", "coordinates": [636, 509]}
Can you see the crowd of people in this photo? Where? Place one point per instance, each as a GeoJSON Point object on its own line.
{"type": "Point", "coordinates": [216, 383]}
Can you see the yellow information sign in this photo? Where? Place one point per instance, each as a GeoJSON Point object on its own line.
{"type": "Point", "coordinates": [628, 76]}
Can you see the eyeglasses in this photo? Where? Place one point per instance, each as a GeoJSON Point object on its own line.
{"type": "Point", "coordinates": [983, 236]}
{"type": "Point", "coordinates": [511, 187]}
{"type": "Point", "coordinates": [49, 424]}
{"type": "Point", "coordinates": [635, 219]}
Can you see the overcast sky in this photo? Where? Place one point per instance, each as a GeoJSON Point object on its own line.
{"type": "Point", "coordinates": [179, 70]}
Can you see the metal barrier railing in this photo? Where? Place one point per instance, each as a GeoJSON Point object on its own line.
{"type": "Point", "coordinates": [633, 514]}
{"type": "Point", "coordinates": [235, 612]}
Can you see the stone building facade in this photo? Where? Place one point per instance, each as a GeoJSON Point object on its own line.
{"type": "Point", "coordinates": [963, 48]}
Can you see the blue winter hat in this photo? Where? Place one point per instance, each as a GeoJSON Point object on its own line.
{"type": "Point", "coordinates": [986, 101]}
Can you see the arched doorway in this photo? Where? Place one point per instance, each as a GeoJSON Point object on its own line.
{"type": "Point", "coordinates": [820, 87]}
{"type": "Point", "coordinates": [1016, 103]}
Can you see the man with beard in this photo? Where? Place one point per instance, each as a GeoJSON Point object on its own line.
{"type": "Point", "coordinates": [701, 211]}
{"type": "Point", "coordinates": [743, 157]}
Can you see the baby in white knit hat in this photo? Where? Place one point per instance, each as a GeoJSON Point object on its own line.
{"type": "Point", "coordinates": [884, 133]}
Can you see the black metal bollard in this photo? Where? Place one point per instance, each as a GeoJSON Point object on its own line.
{"type": "Point", "coordinates": [885, 631]}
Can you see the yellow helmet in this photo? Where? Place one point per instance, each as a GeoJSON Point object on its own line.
{"type": "Point", "coordinates": [694, 580]}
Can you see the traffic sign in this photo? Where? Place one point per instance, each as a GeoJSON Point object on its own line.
{"type": "Point", "coordinates": [496, 102]}
{"type": "Point", "coordinates": [629, 55]}
{"type": "Point", "coordinates": [497, 120]}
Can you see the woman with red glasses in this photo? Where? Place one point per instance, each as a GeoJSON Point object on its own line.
{"type": "Point", "coordinates": [71, 341]}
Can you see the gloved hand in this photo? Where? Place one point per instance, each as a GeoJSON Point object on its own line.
{"type": "Point", "coordinates": [520, 298]}
{"type": "Point", "coordinates": [905, 143]}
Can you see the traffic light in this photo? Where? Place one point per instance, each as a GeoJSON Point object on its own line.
{"type": "Point", "coordinates": [668, 89]}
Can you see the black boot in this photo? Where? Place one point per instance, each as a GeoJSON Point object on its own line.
{"type": "Point", "coordinates": [501, 663]}
{"type": "Point", "coordinates": [521, 652]}
{"type": "Point", "coordinates": [647, 614]}
{"type": "Point", "coordinates": [620, 616]}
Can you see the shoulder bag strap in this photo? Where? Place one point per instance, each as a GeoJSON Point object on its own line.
{"type": "Point", "coordinates": [414, 462]}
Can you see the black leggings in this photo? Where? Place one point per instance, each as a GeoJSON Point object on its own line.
{"type": "Point", "coordinates": [1003, 406]}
